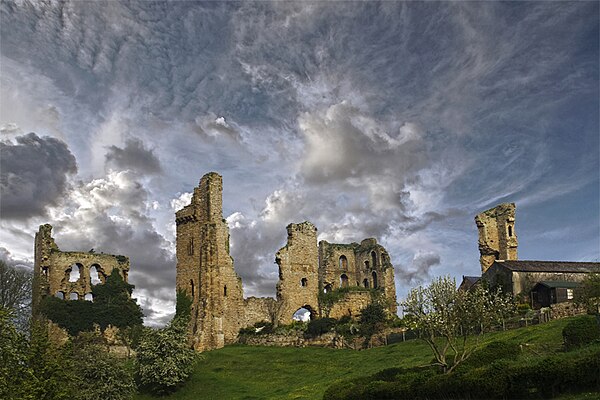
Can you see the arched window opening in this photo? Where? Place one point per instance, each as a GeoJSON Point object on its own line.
{"type": "Point", "coordinates": [374, 280]}
{"type": "Point", "coordinates": [374, 259]}
{"type": "Point", "coordinates": [304, 282]}
{"type": "Point", "coordinates": [95, 275]}
{"type": "Point", "coordinates": [75, 272]}
{"type": "Point", "coordinates": [225, 290]}
{"type": "Point", "coordinates": [45, 271]}
{"type": "Point", "coordinates": [509, 231]}
{"type": "Point", "coordinates": [60, 295]}
{"type": "Point", "coordinates": [366, 283]}
{"type": "Point", "coordinates": [74, 296]}
{"type": "Point", "coordinates": [192, 285]}
{"type": "Point", "coordinates": [125, 275]}
{"type": "Point", "coordinates": [327, 288]}
{"type": "Point", "coordinates": [88, 297]}
{"type": "Point", "coordinates": [367, 265]}
{"type": "Point", "coordinates": [302, 314]}
{"type": "Point", "coordinates": [344, 281]}
{"type": "Point", "coordinates": [343, 263]}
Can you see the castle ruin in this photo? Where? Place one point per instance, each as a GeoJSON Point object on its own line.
{"type": "Point", "coordinates": [497, 236]}
{"type": "Point", "coordinates": [69, 274]}
{"type": "Point", "coordinates": [205, 272]}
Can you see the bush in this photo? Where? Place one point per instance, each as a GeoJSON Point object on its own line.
{"type": "Point", "coordinates": [492, 352]}
{"type": "Point", "coordinates": [320, 326]}
{"type": "Point", "coordinates": [581, 331]}
{"type": "Point", "coordinates": [164, 359]}
{"type": "Point", "coordinates": [101, 376]}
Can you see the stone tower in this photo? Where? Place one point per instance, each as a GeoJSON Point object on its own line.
{"type": "Point", "coordinates": [298, 263]}
{"type": "Point", "coordinates": [497, 236]}
{"type": "Point", "coordinates": [205, 269]}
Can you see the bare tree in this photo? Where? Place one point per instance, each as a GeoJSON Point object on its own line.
{"type": "Point", "coordinates": [15, 292]}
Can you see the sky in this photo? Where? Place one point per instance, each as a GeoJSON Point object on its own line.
{"type": "Point", "coordinates": [399, 121]}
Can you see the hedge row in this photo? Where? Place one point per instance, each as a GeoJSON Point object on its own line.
{"type": "Point", "coordinates": [547, 377]}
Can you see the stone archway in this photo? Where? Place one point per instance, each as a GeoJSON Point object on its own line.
{"type": "Point", "coordinates": [304, 314]}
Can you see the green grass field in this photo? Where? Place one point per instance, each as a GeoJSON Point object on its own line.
{"type": "Point", "coordinates": [246, 372]}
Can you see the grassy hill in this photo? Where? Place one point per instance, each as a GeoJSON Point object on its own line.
{"type": "Point", "coordinates": [246, 372]}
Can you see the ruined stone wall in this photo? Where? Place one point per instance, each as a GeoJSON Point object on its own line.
{"type": "Point", "coordinates": [298, 272]}
{"type": "Point", "coordinates": [351, 305]}
{"type": "Point", "coordinates": [368, 266]}
{"type": "Point", "coordinates": [52, 273]}
{"type": "Point", "coordinates": [205, 268]}
{"type": "Point", "coordinates": [335, 262]}
{"type": "Point", "coordinates": [259, 309]}
{"type": "Point", "coordinates": [497, 236]}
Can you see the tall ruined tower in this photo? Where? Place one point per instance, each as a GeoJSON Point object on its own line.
{"type": "Point", "coordinates": [205, 268]}
{"type": "Point", "coordinates": [298, 272]}
{"type": "Point", "coordinates": [497, 236]}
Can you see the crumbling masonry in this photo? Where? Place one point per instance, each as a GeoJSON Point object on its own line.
{"type": "Point", "coordinates": [497, 236]}
{"type": "Point", "coordinates": [205, 272]}
{"type": "Point", "coordinates": [69, 274]}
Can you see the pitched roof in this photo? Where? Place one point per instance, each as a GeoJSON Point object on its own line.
{"type": "Point", "coordinates": [471, 279]}
{"type": "Point", "coordinates": [559, 284]}
{"type": "Point", "coordinates": [549, 266]}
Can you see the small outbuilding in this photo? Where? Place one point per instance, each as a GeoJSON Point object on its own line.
{"type": "Point", "coordinates": [545, 293]}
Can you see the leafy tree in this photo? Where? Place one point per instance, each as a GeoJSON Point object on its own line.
{"type": "Point", "coordinates": [14, 371]}
{"type": "Point", "coordinates": [445, 318]}
{"type": "Point", "coordinates": [589, 294]}
{"type": "Point", "coordinates": [164, 359]}
{"type": "Point", "coordinates": [102, 376]}
{"type": "Point", "coordinates": [54, 376]}
{"type": "Point", "coordinates": [15, 293]}
{"type": "Point", "coordinates": [372, 319]}
{"type": "Point", "coordinates": [113, 304]}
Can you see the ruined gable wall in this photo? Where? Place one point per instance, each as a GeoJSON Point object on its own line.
{"type": "Point", "coordinates": [52, 268]}
{"type": "Point", "coordinates": [298, 271]}
{"type": "Point", "coordinates": [497, 236]}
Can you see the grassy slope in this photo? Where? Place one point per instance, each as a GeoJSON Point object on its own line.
{"type": "Point", "coordinates": [245, 372]}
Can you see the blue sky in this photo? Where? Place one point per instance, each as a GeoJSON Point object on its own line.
{"type": "Point", "coordinates": [399, 121]}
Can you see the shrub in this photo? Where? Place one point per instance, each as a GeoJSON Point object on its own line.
{"type": "Point", "coordinates": [101, 376]}
{"type": "Point", "coordinates": [164, 359]}
{"type": "Point", "coordinates": [580, 331]}
{"type": "Point", "coordinates": [492, 352]}
{"type": "Point", "coordinates": [501, 379]}
{"type": "Point", "coordinates": [320, 326]}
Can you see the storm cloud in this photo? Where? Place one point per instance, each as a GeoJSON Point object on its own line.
{"type": "Point", "coordinates": [34, 174]}
{"type": "Point", "coordinates": [134, 156]}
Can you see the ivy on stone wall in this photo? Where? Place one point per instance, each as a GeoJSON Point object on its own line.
{"type": "Point", "coordinates": [112, 305]}
{"type": "Point", "coordinates": [328, 299]}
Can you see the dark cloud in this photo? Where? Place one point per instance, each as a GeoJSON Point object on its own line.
{"type": "Point", "coordinates": [420, 268]}
{"type": "Point", "coordinates": [33, 175]}
{"type": "Point", "coordinates": [9, 259]}
{"type": "Point", "coordinates": [134, 156]}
